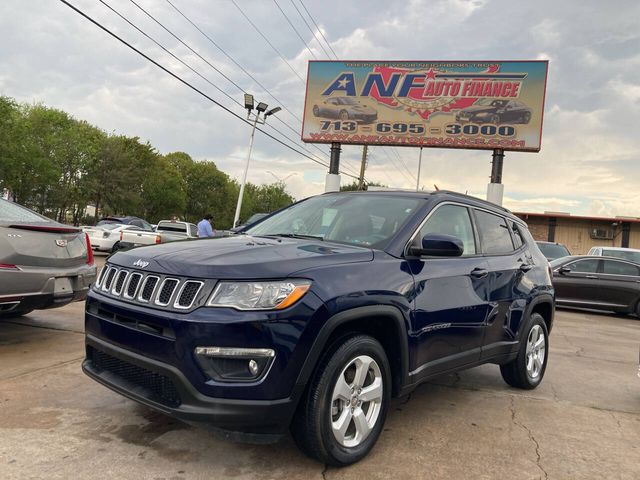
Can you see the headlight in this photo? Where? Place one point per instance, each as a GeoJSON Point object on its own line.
{"type": "Point", "coordinates": [274, 295]}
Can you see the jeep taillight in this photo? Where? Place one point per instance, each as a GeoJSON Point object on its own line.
{"type": "Point", "coordinates": [158, 239]}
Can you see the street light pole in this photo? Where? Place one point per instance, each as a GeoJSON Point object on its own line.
{"type": "Point", "coordinates": [246, 170]}
{"type": "Point", "coordinates": [260, 108]}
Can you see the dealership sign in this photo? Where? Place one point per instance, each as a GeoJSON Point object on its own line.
{"type": "Point", "coordinates": [475, 104]}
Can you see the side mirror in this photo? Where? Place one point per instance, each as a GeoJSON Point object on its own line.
{"type": "Point", "coordinates": [564, 270]}
{"type": "Point", "coordinates": [437, 245]}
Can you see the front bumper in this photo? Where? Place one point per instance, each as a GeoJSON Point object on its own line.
{"type": "Point", "coordinates": [163, 387]}
{"type": "Point", "coordinates": [157, 346]}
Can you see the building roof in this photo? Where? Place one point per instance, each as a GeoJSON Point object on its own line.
{"type": "Point", "coordinates": [619, 219]}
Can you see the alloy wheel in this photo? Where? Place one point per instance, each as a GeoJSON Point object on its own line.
{"type": "Point", "coordinates": [536, 349]}
{"type": "Point", "coordinates": [356, 401]}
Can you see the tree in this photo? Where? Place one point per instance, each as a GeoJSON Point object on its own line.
{"type": "Point", "coordinates": [351, 187]}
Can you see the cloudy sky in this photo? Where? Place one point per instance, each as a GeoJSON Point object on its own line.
{"type": "Point", "coordinates": [589, 162]}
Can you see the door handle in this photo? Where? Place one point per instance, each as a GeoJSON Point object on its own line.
{"type": "Point", "coordinates": [479, 273]}
{"type": "Point", "coordinates": [593, 277]}
{"type": "Point", "coordinates": [525, 267]}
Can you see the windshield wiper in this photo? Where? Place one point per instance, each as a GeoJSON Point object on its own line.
{"type": "Point", "coordinates": [297, 235]}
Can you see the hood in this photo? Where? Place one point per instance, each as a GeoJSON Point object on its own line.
{"type": "Point", "coordinates": [479, 109]}
{"type": "Point", "coordinates": [240, 257]}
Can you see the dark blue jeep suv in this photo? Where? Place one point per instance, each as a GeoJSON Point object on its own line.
{"type": "Point", "coordinates": [314, 317]}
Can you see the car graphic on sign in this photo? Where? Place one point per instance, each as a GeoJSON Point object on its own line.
{"type": "Point", "coordinates": [345, 108]}
{"type": "Point", "coordinates": [488, 110]}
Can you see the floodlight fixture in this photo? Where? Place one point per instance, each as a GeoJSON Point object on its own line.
{"type": "Point", "coordinates": [262, 107]}
{"type": "Point", "coordinates": [272, 111]}
{"type": "Point", "coordinates": [248, 101]}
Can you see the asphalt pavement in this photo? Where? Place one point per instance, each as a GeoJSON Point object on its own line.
{"type": "Point", "coordinates": [582, 422]}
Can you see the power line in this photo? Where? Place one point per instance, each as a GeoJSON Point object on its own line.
{"type": "Point", "coordinates": [395, 151]}
{"type": "Point", "coordinates": [235, 62]}
{"type": "Point", "coordinates": [319, 30]}
{"type": "Point", "coordinates": [295, 30]}
{"type": "Point", "coordinates": [310, 29]}
{"type": "Point", "coordinates": [170, 53]}
{"type": "Point", "coordinates": [181, 80]}
{"type": "Point", "coordinates": [194, 70]}
{"type": "Point", "coordinates": [190, 49]}
{"type": "Point", "coordinates": [267, 40]}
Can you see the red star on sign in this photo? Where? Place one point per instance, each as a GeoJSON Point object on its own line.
{"type": "Point", "coordinates": [431, 74]}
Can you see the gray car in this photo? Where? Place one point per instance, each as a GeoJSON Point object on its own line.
{"type": "Point", "coordinates": [43, 264]}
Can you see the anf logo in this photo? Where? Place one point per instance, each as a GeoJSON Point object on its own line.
{"type": "Point", "coordinates": [140, 263]}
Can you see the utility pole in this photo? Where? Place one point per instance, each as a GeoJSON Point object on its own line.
{"type": "Point", "coordinates": [363, 165]}
{"type": "Point", "coordinates": [419, 168]}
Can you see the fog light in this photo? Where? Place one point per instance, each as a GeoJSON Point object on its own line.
{"type": "Point", "coordinates": [234, 364]}
{"type": "Point", "coordinates": [253, 367]}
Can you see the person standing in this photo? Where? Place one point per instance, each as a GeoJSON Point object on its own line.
{"type": "Point", "coordinates": [205, 228]}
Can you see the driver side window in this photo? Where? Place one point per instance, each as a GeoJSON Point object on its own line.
{"type": "Point", "coordinates": [451, 220]}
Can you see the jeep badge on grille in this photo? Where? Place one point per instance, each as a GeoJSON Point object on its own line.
{"type": "Point", "coordinates": [140, 263]}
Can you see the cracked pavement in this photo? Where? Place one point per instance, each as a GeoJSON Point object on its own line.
{"type": "Point", "coordinates": [583, 422]}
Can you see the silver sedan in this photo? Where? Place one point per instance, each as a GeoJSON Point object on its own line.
{"type": "Point", "coordinates": [43, 264]}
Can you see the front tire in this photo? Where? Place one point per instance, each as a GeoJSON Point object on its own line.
{"type": "Point", "coordinates": [343, 410]}
{"type": "Point", "coordinates": [527, 369]}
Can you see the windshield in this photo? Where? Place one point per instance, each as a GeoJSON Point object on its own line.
{"type": "Point", "coordinates": [630, 255]}
{"type": "Point", "coordinates": [490, 102]}
{"type": "Point", "coordinates": [365, 220]}
{"type": "Point", "coordinates": [553, 251]}
{"type": "Point", "coordinates": [347, 101]}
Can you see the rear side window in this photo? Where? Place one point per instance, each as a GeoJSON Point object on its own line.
{"type": "Point", "coordinates": [494, 233]}
{"type": "Point", "coordinates": [452, 220]}
{"type": "Point", "coordinates": [620, 268]}
{"type": "Point", "coordinates": [518, 238]}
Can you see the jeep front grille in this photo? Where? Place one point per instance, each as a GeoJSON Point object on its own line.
{"type": "Point", "coordinates": [122, 276]}
{"type": "Point", "coordinates": [166, 291]}
{"type": "Point", "coordinates": [152, 289]}
{"type": "Point", "coordinates": [188, 293]}
{"type": "Point", "coordinates": [148, 287]}
{"type": "Point", "coordinates": [132, 287]}
{"type": "Point", "coordinates": [107, 281]}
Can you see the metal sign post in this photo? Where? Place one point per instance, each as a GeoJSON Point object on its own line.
{"type": "Point", "coordinates": [332, 180]}
{"type": "Point", "coordinates": [419, 167]}
{"type": "Point", "coordinates": [495, 189]}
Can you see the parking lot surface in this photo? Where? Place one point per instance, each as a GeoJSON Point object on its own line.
{"type": "Point", "coordinates": [582, 422]}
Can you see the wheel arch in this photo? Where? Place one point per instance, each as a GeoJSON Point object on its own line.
{"type": "Point", "coordinates": [543, 305]}
{"type": "Point", "coordinates": [383, 322]}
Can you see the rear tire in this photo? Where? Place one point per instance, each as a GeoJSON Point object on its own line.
{"type": "Point", "coordinates": [527, 369]}
{"type": "Point", "coordinates": [344, 407]}
{"type": "Point", "coordinates": [116, 247]}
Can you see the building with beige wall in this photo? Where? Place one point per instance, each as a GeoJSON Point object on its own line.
{"type": "Point", "coordinates": [579, 233]}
